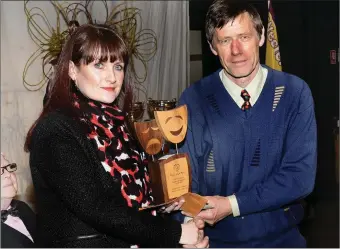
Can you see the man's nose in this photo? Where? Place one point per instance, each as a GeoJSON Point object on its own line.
{"type": "Point", "coordinates": [235, 47]}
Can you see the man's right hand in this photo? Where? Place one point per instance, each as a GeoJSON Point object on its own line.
{"type": "Point", "coordinates": [221, 208]}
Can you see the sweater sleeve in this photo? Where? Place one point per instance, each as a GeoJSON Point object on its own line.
{"type": "Point", "coordinates": [69, 171]}
{"type": "Point", "coordinates": [295, 177]}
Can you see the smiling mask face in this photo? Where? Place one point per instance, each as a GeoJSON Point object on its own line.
{"type": "Point", "coordinates": [173, 123]}
{"type": "Point", "coordinates": [149, 136]}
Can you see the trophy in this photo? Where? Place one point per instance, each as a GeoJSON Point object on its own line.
{"type": "Point", "coordinates": [170, 174]}
{"type": "Point", "coordinates": [137, 111]}
{"type": "Point", "coordinates": [159, 105]}
{"type": "Point", "coordinates": [135, 114]}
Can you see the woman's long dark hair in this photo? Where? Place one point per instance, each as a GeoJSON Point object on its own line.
{"type": "Point", "coordinates": [86, 44]}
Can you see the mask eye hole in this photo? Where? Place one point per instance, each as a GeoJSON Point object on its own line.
{"type": "Point", "coordinates": [168, 119]}
{"type": "Point", "coordinates": [146, 131]}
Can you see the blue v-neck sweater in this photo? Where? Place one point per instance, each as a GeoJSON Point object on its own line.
{"type": "Point", "coordinates": [266, 156]}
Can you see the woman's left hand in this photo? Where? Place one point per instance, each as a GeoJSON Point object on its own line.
{"type": "Point", "coordinates": [175, 206]}
{"type": "Point", "coordinates": [203, 244]}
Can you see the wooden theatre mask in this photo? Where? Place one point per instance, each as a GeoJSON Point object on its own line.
{"type": "Point", "coordinates": [173, 123]}
{"type": "Point", "coordinates": [149, 136]}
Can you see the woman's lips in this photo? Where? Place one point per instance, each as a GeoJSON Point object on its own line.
{"type": "Point", "coordinates": [109, 89]}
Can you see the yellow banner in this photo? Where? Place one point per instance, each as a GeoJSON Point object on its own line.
{"type": "Point", "coordinates": [273, 58]}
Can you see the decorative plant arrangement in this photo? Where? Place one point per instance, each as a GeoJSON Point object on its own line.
{"type": "Point", "coordinates": [127, 21]}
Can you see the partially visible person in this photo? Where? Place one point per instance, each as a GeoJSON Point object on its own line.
{"type": "Point", "coordinates": [89, 175]}
{"type": "Point", "coordinates": [251, 137]}
{"type": "Point", "coordinates": [18, 221]}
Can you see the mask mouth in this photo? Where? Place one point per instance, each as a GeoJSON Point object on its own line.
{"type": "Point", "coordinates": [153, 145]}
{"type": "Point", "coordinates": [176, 133]}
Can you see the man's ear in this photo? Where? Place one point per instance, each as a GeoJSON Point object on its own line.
{"type": "Point", "coordinates": [72, 71]}
{"type": "Point", "coordinates": [262, 39]}
{"type": "Point", "coordinates": [212, 49]}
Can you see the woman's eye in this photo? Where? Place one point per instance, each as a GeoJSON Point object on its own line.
{"type": "Point", "coordinates": [119, 67]}
{"type": "Point", "coordinates": [99, 65]}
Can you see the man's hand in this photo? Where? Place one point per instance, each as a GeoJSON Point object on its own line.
{"type": "Point", "coordinates": [221, 208]}
{"type": "Point", "coordinates": [199, 222]}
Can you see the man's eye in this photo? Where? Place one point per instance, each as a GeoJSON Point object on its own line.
{"type": "Point", "coordinates": [225, 41]}
{"type": "Point", "coordinates": [245, 37]}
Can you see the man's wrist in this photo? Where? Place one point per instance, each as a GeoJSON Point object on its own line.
{"type": "Point", "coordinates": [187, 219]}
{"type": "Point", "coordinates": [234, 205]}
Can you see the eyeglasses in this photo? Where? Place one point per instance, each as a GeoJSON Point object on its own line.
{"type": "Point", "coordinates": [10, 168]}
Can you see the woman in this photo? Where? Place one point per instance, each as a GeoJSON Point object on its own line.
{"type": "Point", "coordinates": [88, 174]}
{"type": "Point", "coordinates": [18, 221]}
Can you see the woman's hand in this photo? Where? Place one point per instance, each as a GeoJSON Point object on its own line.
{"type": "Point", "coordinates": [192, 232]}
{"type": "Point", "coordinates": [203, 244]}
{"type": "Point", "coordinates": [175, 206]}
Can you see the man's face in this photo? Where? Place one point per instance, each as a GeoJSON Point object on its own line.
{"type": "Point", "coordinates": [9, 185]}
{"type": "Point", "coordinates": [237, 45]}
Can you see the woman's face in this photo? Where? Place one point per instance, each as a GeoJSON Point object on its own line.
{"type": "Point", "coordinates": [9, 185]}
{"type": "Point", "coordinates": [100, 81]}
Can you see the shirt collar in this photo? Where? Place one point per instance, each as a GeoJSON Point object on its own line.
{"type": "Point", "coordinates": [254, 88]}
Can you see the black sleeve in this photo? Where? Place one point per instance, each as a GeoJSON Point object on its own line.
{"type": "Point", "coordinates": [64, 164]}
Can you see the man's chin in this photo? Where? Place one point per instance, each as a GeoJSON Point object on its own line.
{"type": "Point", "coordinates": [238, 74]}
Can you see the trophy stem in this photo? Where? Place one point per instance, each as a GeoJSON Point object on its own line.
{"type": "Point", "coordinates": [153, 159]}
{"type": "Point", "coordinates": [176, 149]}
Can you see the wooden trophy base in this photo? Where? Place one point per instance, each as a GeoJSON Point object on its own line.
{"type": "Point", "coordinates": [171, 180]}
{"type": "Point", "coordinates": [170, 177]}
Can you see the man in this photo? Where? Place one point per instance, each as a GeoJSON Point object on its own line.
{"type": "Point", "coordinates": [17, 218]}
{"type": "Point", "coordinates": [251, 138]}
